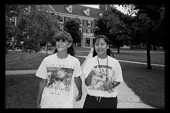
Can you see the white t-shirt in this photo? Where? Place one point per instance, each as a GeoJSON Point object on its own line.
{"type": "Point", "coordinates": [112, 72]}
{"type": "Point", "coordinates": [60, 73]}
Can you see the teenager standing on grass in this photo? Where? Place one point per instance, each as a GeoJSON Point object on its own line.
{"type": "Point", "coordinates": [59, 71]}
{"type": "Point", "coordinates": [103, 74]}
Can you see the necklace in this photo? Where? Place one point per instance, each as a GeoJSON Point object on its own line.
{"type": "Point", "coordinates": [106, 68]}
{"type": "Point", "coordinates": [61, 62]}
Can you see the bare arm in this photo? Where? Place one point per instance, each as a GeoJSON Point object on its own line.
{"type": "Point", "coordinates": [78, 83]}
{"type": "Point", "coordinates": [42, 84]}
{"type": "Point", "coordinates": [89, 78]}
{"type": "Point", "coordinates": [115, 83]}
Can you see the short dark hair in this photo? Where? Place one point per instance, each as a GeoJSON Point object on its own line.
{"type": "Point", "coordinates": [63, 35]}
{"type": "Point", "coordinates": [109, 52]}
{"type": "Point", "coordinates": [67, 36]}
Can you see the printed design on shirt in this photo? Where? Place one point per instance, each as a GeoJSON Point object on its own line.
{"type": "Point", "coordinates": [101, 75]}
{"type": "Point", "coordinates": [59, 79]}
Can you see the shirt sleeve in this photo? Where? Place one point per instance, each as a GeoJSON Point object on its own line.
{"type": "Point", "coordinates": [42, 70]}
{"type": "Point", "coordinates": [78, 70]}
{"type": "Point", "coordinates": [118, 73]}
{"type": "Point", "coordinates": [87, 68]}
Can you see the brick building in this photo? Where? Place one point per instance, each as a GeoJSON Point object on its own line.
{"type": "Point", "coordinates": [86, 15]}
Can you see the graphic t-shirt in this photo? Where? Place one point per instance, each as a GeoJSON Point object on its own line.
{"type": "Point", "coordinates": [104, 72]}
{"type": "Point", "coordinates": [60, 73]}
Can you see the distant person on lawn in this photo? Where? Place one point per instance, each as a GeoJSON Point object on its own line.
{"type": "Point", "coordinates": [103, 74]}
{"type": "Point", "coordinates": [59, 71]}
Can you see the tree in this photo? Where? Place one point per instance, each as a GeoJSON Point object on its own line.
{"type": "Point", "coordinates": [35, 28]}
{"type": "Point", "coordinates": [101, 28]}
{"type": "Point", "coordinates": [116, 26]}
{"type": "Point", "coordinates": [10, 29]}
{"type": "Point", "coordinates": [72, 26]}
{"type": "Point", "coordinates": [146, 27]}
{"type": "Point", "coordinates": [149, 26]}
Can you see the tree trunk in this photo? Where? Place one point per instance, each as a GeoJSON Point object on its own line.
{"type": "Point", "coordinates": [118, 49]}
{"type": "Point", "coordinates": [148, 56]}
{"type": "Point", "coordinates": [46, 48]}
{"type": "Point", "coordinates": [131, 46]}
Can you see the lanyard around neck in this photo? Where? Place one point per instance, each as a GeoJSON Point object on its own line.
{"type": "Point", "coordinates": [100, 66]}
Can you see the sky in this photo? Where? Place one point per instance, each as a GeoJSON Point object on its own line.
{"type": "Point", "coordinates": [93, 6]}
{"type": "Point", "coordinates": [117, 6]}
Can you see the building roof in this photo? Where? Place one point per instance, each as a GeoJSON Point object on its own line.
{"type": "Point", "coordinates": [76, 10]}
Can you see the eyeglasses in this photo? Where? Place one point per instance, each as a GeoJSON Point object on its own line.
{"type": "Point", "coordinates": [61, 40]}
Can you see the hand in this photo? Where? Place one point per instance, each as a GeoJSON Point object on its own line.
{"type": "Point", "coordinates": [108, 85]}
{"type": "Point", "coordinates": [78, 97]}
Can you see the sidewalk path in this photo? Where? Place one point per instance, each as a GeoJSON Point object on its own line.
{"type": "Point", "coordinates": [126, 97]}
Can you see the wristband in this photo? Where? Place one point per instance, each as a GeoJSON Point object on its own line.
{"type": "Point", "coordinates": [113, 85]}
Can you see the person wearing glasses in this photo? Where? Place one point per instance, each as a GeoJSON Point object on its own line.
{"type": "Point", "coordinates": [58, 72]}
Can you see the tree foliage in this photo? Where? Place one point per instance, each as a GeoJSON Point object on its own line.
{"type": "Point", "coordinates": [114, 26]}
{"type": "Point", "coordinates": [34, 28]}
{"type": "Point", "coordinates": [149, 20]}
{"type": "Point", "coordinates": [148, 26]}
{"type": "Point", "coordinates": [72, 26]}
{"type": "Point", "coordinates": [10, 11]}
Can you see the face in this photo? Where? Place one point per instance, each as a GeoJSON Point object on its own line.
{"type": "Point", "coordinates": [62, 45]}
{"type": "Point", "coordinates": [101, 46]}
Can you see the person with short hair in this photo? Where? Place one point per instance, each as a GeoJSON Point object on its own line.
{"type": "Point", "coordinates": [58, 72]}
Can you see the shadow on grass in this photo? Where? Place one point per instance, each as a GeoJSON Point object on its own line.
{"type": "Point", "coordinates": [147, 84]}
{"type": "Point", "coordinates": [21, 91]}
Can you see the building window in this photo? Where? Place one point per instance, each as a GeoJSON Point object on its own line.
{"type": "Point", "coordinates": [92, 30]}
{"type": "Point", "coordinates": [81, 30]}
{"type": "Point", "coordinates": [69, 9]}
{"type": "Point", "coordinates": [88, 31]}
{"type": "Point", "coordinates": [87, 12]}
{"type": "Point", "coordinates": [89, 23]}
{"type": "Point", "coordinates": [71, 18]}
{"type": "Point", "coordinates": [61, 19]}
{"type": "Point", "coordinates": [13, 21]}
{"type": "Point", "coordinates": [27, 10]}
{"type": "Point", "coordinates": [81, 22]}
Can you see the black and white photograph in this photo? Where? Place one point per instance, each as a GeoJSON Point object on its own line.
{"type": "Point", "coordinates": [81, 56]}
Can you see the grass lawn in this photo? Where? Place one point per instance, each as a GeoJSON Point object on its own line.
{"type": "Point", "coordinates": [17, 60]}
{"type": "Point", "coordinates": [79, 48]}
{"type": "Point", "coordinates": [21, 90]}
{"type": "Point", "coordinates": [147, 84]}
{"type": "Point", "coordinates": [81, 53]}
{"type": "Point", "coordinates": [140, 55]}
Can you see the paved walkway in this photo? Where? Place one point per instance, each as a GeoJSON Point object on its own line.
{"type": "Point", "coordinates": [126, 97]}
